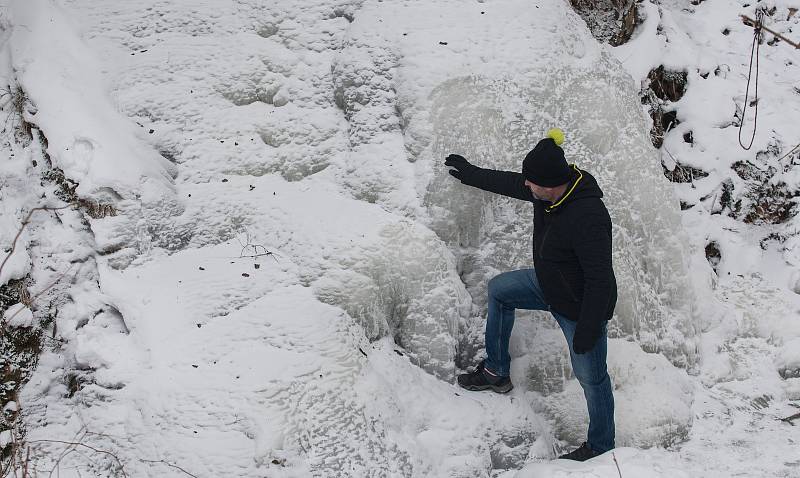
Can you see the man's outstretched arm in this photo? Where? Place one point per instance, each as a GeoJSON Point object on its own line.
{"type": "Point", "coordinates": [507, 183]}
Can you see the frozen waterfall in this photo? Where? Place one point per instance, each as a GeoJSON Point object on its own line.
{"type": "Point", "coordinates": [492, 104]}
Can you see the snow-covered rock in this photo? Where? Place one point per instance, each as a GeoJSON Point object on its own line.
{"type": "Point", "coordinates": [788, 361]}
{"type": "Point", "coordinates": [88, 138]}
{"type": "Point", "coordinates": [18, 315]}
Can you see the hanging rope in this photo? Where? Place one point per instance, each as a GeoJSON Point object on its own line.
{"type": "Point", "coordinates": [754, 50]}
{"type": "Point", "coordinates": [752, 23]}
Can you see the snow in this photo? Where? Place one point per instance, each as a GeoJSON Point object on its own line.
{"type": "Point", "coordinates": [5, 438]}
{"type": "Point", "coordinates": [87, 137]}
{"type": "Point", "coordinates": [754, 322]}
{"type": "Point", "coordinates": [788, 362]}
{"type": "Point", "coordinates": [291, 280]}
{"type": "Point", "coordinates": [18, 315]}
{"type": "Point", "coordinates": [624, 461]}
{"type": "Point", "coordinates": [14, 195]}
{"type": "Point", "coordinates": [653, 400]}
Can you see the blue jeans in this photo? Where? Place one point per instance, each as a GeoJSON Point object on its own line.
{"type": "Point", "coordinates": [520, 290]}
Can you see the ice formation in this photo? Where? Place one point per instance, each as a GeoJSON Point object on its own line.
{"type": "Point", "coordinates": [493, 119]}
{"type": "Point", "coordinates": [607, 139]}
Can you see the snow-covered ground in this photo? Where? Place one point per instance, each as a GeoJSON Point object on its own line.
{"type": "Point", "coordinates": [272, 274]}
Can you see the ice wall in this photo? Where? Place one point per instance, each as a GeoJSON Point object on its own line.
{"type": "Point", "coordinates": [495, 130]}
{"type": "Point", "coordinates": [605, 135]}
{"type": "Point", "coordinates": [490, 96]}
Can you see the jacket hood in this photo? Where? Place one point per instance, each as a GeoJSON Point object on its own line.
{"type": "Point", "coordinates": [582, 186]}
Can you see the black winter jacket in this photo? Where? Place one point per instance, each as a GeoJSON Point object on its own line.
{"type": "Point", "coordinates": [571, 243]}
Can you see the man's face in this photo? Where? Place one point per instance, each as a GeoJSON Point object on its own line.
{"type": "Point", "coordinates": [539, 192]}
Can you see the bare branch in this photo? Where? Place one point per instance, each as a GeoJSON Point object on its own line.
{"type": "Point", "coordinates": [78, 438]}
{"type": "Point", "coordinates": [616, 463]}
{"type": "Point", "coordinates": [22, 228]}
{"type": "Point", "coordinates": [790, 420]}
{"type": "Point", "coordinates": [170, 465]}
{"type": "Point", "coordinates": [27, 460]}
{"type": "Point", "coordinates": [96, 450]}
{"type": "Point", "coordinates": [254, 247]}
{"type": "Point", "coordinates": [260, 255]}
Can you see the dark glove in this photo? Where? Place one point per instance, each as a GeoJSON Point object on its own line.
{"type": "Point", "coordinates": [586, 336]}
{"type": "Point", "coordinates": [463, 167]}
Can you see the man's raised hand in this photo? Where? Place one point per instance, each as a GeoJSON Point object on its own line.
{"type": "Point", "coordinates": [463, 168]}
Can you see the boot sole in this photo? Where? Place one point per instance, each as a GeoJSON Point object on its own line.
{"type": "Point", "coordinates": [494, 388]}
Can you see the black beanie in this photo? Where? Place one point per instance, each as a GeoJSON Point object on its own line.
{"type": "Point", "coordinates": [546, 166]}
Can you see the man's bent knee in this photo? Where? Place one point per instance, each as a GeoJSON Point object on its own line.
{"type": "Point", "coordinates": [495, 287]}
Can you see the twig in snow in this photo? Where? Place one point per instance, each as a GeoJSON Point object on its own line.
{"type": "Point", "coordinates": [170, 465]}
{"type": "Point", "coordinates": [36, 296]}
{"type": "Point", "coordinates": [15, 95]}
{"type": "Point", "coordinates": [670, 154]}
{"type": "Point", "coordinates": [22, 228]}
{"type": "Point", "coordinates": [254, 247]}
{"type": "Point", "coordinates": [78, 438]}
{"type": "Point", "coordinates": [260, 255]}
{"type": "Point", "coordinates": [15, 443]}
{"type": "Point", "coordinates": [616, 463]}
{"type": "Point", "coordinates": [96, 450]}
{"type": "Point", "coordinates": [713, 201]}
{"type": "Point", "coordinates": [29, 300]}
{"type": "Point", "coordinates": [790, 419]}
{"type": "Point", "coordinates": [790, 152]}
{"type": "Point", "coordinates": [104, 435]}
{"type": "Point", "coordinates": [57, 467]}
{"type": "Point", "coordinates": [27, 460]}
{"type": "Point", "coordinates": [33, 299]}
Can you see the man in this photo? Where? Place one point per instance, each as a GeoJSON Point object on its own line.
{"type": "Point", "coordinates": [572, 278]}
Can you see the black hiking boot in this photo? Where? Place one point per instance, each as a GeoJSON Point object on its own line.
{"type": "Point", "coordinates": [581, 454]}
{"type": "Point", "coordinates": [480, 379]}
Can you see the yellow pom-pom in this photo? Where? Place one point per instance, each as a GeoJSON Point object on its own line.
{"type": "Point", "coordinates": [557, 135]}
